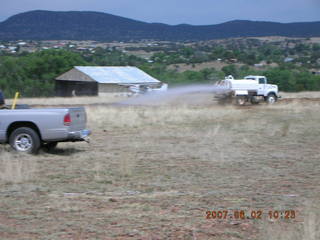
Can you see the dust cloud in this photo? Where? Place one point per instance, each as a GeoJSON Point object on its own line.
{"type": "Point", "coordinates": [154, 98]}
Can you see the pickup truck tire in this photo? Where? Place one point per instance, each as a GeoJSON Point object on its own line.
{"type": "Point", "coordinates": [25, 139]}
{"type": "Point", "coordinates": [271, 98]}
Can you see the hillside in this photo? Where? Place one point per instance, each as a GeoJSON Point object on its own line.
{"type": "Point", "coordinates": [49, 25]}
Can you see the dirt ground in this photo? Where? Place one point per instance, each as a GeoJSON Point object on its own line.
{"type": "Point", "coordinates": [153, 172]}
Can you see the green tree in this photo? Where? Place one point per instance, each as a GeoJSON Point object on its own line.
{"type": "Point", "coordinates": [230, 70]}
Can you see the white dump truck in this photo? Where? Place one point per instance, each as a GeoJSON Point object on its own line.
{"type": "Point", "coordinates": [252, 89]}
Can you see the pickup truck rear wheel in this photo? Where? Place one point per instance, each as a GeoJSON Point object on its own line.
{"type": "Point", "coordinates": [25, 139]}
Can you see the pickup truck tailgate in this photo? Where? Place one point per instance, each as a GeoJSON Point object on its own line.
{"type": "Point", "coordinates": [78, 119]}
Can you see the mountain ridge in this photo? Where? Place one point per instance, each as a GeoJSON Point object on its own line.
{"type": "Point", "coordinates": [90, 25]}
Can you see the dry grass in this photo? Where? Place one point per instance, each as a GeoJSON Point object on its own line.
{"type": "Point", "coordinates": [307, 230]}
{"type": "Point", "coordinates": [110, 98]}
{"type": "Point", "coordinates": [16, 168]}
{"type": "Point", "coordinates": [300, 95]}
{"type": "Point", "coordinates": [151, 172]}
{"type": "Point", "coordinates": [118, 97]}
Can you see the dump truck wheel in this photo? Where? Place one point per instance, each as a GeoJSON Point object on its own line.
{"type": "Point", "coordinates": [271, 98]}
{"type": "Point", "coordinates": [25, 139]}
{"type": "Point", "coordinates": [254, 100]}
{"type": "Point", "coordinates": [240, 100]}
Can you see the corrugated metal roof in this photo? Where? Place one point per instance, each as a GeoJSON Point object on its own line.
{"type": "Point", "coordinates": [120, 75]}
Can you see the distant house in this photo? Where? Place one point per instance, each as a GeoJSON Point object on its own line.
{"type": "Point", "coordinates": [232, 60]}
{"type": "Point", "coordinates": [288, 59]}
{"type": "Point", "coordinates": [92, 81]}
{"type": "Point", "coordinates": [259, 65]}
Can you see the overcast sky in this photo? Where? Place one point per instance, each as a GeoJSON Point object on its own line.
{"type": "Point", "coordinates": [196, 12]}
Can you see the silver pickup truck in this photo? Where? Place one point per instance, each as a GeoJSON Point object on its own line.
{"type": "Point", "coordinates": [26, 130]}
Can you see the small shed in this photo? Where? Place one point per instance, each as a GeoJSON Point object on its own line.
{"type": "Point", "coordinates": [92, 81]}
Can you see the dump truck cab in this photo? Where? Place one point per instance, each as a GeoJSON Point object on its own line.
{"type": "Point", "coordinates": [263, 88]}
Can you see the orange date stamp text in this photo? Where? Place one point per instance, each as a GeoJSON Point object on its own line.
{"type": "Point", "coordinates": [251, 214]}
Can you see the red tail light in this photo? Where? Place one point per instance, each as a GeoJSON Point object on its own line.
{"type": "Point", "coordinates": [67, 119]}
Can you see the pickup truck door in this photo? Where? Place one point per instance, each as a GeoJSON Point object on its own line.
{"type": "Point", "coordinates": [262, 86]}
